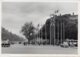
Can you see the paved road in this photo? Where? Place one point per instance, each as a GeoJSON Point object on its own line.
{"type": "Point", "coordinates": [21, 49]}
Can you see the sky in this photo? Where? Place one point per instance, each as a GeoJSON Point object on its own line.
{"type": "Point", "coordinates": [16, 14]}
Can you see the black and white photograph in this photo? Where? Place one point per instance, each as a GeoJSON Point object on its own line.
{"type": "Point", "coordinates": [39, 28]}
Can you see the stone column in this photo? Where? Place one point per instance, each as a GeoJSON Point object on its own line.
{"type": "Point", "coordinates": [52, 32]}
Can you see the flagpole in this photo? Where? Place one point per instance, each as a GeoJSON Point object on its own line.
{"type": "Point", "coordinates": [51, 23]}
{"type": "Point", "coordinates": [61, 32]}
{"type": "Point", "coordinates": [45, 33]}
{"type": "Point", "coordinates": [54, 26]}
{"type": "Point", "coordinates": [58, 33]}
{"type": "Point", "coordinates": [38, 31]}
{"type": "Point", "coordinates": [50, 32]}
{"type": "Point", "coordinates": [42, 32]}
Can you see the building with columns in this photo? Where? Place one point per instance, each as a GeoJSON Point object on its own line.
{"type": "Point", "coordinates": [59, 28]}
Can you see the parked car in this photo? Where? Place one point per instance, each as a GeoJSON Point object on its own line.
{"type": "Point", "coordinates": [64, 44]}
{"type": "Point", "coordinates": [25, 43]}
{"type": "Point", "coordinates": [73, 43]}
{"type": "Point", "coordinates": [5, 44]}
{"type": "Point", "coordinates": [69, 43]}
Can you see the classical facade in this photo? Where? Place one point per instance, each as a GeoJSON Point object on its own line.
{"type": "Point", "coordinates": [59, 28]}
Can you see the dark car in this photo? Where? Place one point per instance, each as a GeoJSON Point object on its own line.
{"type": "Point", "coordinates": [5, 44]}
{"type": "Point", "coordinates": [25, 43]}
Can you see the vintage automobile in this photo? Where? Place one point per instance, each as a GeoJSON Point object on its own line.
{"type": "Point", "coordinates": [5, 43]}
{"type": "Point", "coordinates": [25, 43]}
{"type": "Point", "coordinates": [69, 43]}
{"type": "Point", "coordinates": [64, 44]}
{"type": "Point", "coordinates": [73, 43]}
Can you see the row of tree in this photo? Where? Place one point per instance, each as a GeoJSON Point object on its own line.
{"type": "Point", "coordinates": [6, 35]}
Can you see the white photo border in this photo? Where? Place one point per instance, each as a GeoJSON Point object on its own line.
{"type": "Point", "coordinates": [36, 55]}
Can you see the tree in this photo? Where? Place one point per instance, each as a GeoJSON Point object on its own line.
{"type": "Point", "coordinates": [6, 35]}
{"type": "Point", "coordinates": [28, 31]}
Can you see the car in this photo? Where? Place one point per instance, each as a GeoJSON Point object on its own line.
{"type": "Point", "coordinates": [19, 42]}
{"type": "Point", "coordinates": [64, 44]}
{"type": "Point", "coordinates": [5, 44]}
{"type": "Point", "coordinates": [25, 43]}
{"type": "Point", "coordinates": [73, 44]}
